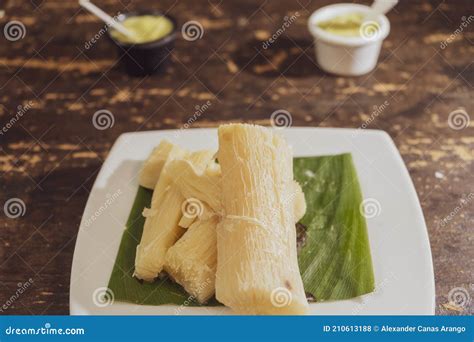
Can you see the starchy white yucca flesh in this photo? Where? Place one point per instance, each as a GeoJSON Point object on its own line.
{"type": "Point", "coordinates": [152, 167]}
{"type": "Point", "coordinates": [189, 261]}
{"type": "Point", "coordinates": [257, 268]}
{"type": "Point", "coordinates": [192, 261]}
{"type": "Point", "coordinates": [161, 229]}
{"type": "Point", "coordinates": [203, 185]}
{"type": "Point", "coordinates": [206, 187]}
{"type": "Point", "coordinates": [186, 221]}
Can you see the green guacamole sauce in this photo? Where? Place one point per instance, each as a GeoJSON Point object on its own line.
{"type": "Point", "coordinates": [343, 25]}
{"type": "Point", "coordinates": [147, 28]}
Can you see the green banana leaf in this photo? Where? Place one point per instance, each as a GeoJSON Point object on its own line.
{"type": "Point", "coordinates": [335, 261]}
{"type": "Point", "coordinates": [333, 247]}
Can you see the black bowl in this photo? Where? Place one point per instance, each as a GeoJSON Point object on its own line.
{"type": "Point", "coordinates": [146, 58]}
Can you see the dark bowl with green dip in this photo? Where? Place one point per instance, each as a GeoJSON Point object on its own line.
{"type": "Point", "coordinates": [148, 52]}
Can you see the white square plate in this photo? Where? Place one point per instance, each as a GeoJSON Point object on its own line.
{"type": "Point", "coordinates": [398, 236]}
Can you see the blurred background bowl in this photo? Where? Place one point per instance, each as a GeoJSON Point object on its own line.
{"type": "Point", "coordinates": [145, 58]}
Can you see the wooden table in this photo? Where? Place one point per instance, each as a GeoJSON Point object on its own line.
{"type": "Point", "coordinates": [51, 152]}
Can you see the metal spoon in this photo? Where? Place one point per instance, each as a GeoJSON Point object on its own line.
{"type": "Point", "coordinates": [106, 18]}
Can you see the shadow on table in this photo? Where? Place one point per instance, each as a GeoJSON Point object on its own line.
{"type": "Point", "coordinates": [287, 57]}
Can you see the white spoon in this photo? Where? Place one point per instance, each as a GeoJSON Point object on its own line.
{"type": "Point", "coordinates": [379, 7]}
{"type": "Point", "coordinates": [106, 18]}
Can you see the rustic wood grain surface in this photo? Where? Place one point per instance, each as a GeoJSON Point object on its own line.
{"type": "Point", "coordinates": [51, 151]}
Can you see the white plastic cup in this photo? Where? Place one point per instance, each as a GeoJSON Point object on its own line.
{"type": "Point", "coordinates": [347, 56]}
